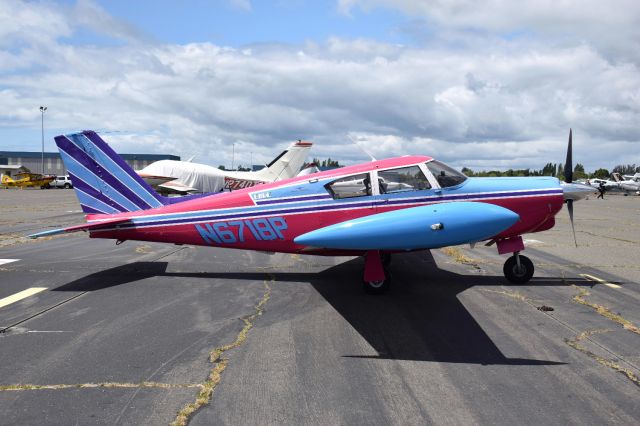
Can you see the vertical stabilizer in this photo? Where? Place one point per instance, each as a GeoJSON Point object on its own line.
{"type": "Point", "coordinates": [287, 164]}
{"type": "Point", "coordinates": [103, 181]}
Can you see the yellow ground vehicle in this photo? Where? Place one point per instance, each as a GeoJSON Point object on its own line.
{"type": "Point", "coordinates": [27, 180]}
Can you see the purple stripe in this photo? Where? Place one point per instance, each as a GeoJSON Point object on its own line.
{"type": "Point", "coordinates": [105, 148]}
{"type": "Point", "coordinates": [248, 214]}
{"type": "Point", "coordinates": [91, 191]}
{"type": "Point", "coordinates": [88, 209]}
{"type": "Point", "coordinates": [83, 158]}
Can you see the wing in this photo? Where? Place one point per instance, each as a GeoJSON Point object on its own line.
{"type": "Point", "coordinates": [424, 227]}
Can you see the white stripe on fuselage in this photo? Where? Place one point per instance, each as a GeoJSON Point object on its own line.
{"type": "Point", "coordinates": [215, 215]}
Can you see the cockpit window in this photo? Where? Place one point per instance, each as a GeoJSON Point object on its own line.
{"type": "Point", "coordinates": [350, 186]}
{"type": "Point", "coordinates": [402, 179]}
{"type": "Point", "coordinates": [445, 175]}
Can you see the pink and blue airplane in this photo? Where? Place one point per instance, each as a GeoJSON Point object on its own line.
{"type": "Point", "coordinates": [373, 209]}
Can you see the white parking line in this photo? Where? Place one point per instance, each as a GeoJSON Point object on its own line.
{"type": "Point", "coordinates": [21, 295]}
{"type": "Point", "coordinates": [5, 261]}
{"type": "Point", "coordinates": [600, 281]}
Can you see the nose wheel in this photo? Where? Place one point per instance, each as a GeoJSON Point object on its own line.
{"type": "Point", "coordinates": [518, 269]}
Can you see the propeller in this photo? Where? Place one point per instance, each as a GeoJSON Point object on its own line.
{"type": "Point", "coordinates": [568, 177]}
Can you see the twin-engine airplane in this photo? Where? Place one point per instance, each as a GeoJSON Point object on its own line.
{"type": "Point", "coordinates": [372, 209]}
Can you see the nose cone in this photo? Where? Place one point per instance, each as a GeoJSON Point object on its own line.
{"type": "Point", "coordinates": [576, 191]}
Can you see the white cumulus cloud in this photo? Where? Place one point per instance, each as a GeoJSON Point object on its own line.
{"type": "Point", "coordinates": [508, 103]}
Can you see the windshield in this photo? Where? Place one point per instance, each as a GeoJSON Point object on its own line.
{"type": "Point", "coordinates": [445, 175]}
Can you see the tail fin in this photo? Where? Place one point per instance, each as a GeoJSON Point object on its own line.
{"type": "Point", "coordinates": [103, 181]}
{"type": "Point", "coordinates": [287, 164]}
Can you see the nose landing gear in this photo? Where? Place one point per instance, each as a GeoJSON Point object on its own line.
{"type": "Point", "coordinates": [518, 269]}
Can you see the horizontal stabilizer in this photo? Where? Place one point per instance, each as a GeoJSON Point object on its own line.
{"type": "Point", "coordinates": [424, 227]}
{"type": "Point", "coordinates": [92, 226]}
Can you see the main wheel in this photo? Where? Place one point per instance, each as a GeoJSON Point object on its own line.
{"type": "Point", "coordinates": [67, 186]}
{"type": "Point", "coordinates": [515, 274]}
{"type": "Point", "coordinates": [378, 287]}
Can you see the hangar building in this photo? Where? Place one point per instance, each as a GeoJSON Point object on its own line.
{"type": "Point", "coordinates": [53, 164]}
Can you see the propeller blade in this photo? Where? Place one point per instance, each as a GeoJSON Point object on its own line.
{"type": "Point", "coordinates": [570, 209]}
{"type": "Point", "coordinates": [568, 165]}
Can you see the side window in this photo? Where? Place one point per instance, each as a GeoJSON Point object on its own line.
{"type": "Point", "coordinates": [446, 176]}
{"type": "Point", "coordinates": [402, 179]}
{"type": "Point", "coordinates": [350, 186]}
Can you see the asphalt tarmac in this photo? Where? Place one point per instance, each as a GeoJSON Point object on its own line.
{"type": "Point", "coordinates": [145, 333]}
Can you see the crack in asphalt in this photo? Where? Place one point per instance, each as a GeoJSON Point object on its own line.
{"type": "Point", "coordinates": [603, 361]}
{"type": "Point", "coordinates": [586, 335]}
{"type": "Point", "coordinates": [511, 294]}
{"type": "Point", "coordinates": [593, 234]}
{"type": "Point", "coordinates": [459, 257]}
{"type": "Point", "coordinates": [220, 364]}
{"type": "Point", "coordinates": [603, 310]}
{"type": "Point", "coordinates": [26, 387]}
{"type": "Point", "coordinates": [206, 388]}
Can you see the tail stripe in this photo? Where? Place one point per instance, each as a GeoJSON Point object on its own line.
{"type": "Point", "coordinates": [109, 160]}
{"type": "Point", "coordinates": [80, 164]}
{"type": "Point", "coordinates": [87, 201]}
{"type": "Point", "coordinates": [89, 191]}
{"type": "Point", "coordinates": [117, 176]}
{"type": "Point", "coordinates": [77, 169]}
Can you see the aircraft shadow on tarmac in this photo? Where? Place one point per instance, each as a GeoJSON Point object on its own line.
{"type": "Point", "coordinates": [420, 319]}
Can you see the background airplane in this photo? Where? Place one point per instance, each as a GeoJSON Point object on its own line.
{"type": "Point", "coordinates": [618, 183]}
{"type": "Point", "coordinates": [186, 177]}
{"type": "Point", "coordinates": [429, 206]}
{"type": "Point", "coordinates": [27, 180]}
{"type": "Point", "coordinates": [628, 183]}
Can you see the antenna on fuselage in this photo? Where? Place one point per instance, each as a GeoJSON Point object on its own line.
{"type": "Point", "coordinates": [355, 142]}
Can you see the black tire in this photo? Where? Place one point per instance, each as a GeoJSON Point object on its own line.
{"type": "Point", "coordinates": [513, 275]}
{"type": "Point", "coordinates": [386, 259]}
{"type": "Point", "coordinates": [67, 186]}
{"type": "Point", "coordinates": [376, 287]}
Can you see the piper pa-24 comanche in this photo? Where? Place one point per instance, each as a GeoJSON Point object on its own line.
{"type": "Point", "coordinates": [373, 209]}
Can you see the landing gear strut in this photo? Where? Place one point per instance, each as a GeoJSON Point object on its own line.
{"type": "Point", "coordinates": [518, 269]}
{"type": "Point", "coordinates": [376, 279]}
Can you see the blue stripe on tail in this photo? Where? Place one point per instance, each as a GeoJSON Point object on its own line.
{"type": "Point", "coordinates": [103, 181]}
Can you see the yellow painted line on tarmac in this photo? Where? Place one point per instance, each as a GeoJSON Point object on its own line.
{"type": "Point", "coordinates": [600, 281]}
{"type": "Point", "coordinates": [21, 295]}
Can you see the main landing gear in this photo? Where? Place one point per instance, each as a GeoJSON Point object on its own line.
{"type": "Point", "coordinates": [376, 278]}
{"type": "Point", "coordinates": [517, 269]}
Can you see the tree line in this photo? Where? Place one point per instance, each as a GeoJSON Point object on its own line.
{"type": "Point", "coordinates": [557, 170]}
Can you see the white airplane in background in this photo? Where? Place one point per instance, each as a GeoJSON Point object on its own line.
{"type": "Point", "coordinates": [184, 177]}
{"type": "Point", "coordinates": [628, 183]}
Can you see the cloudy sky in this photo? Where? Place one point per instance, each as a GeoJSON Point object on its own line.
{"type": "Point", "coordinates": [479, 83]}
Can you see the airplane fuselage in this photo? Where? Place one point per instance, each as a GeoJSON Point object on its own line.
{"type": "Point", "coordinates": [269, 217]}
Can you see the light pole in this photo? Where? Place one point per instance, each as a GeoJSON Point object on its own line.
{"type": "Point", "coordinates": [42, 110]}
{"type": "Point", "coordinates": [233, 156]}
